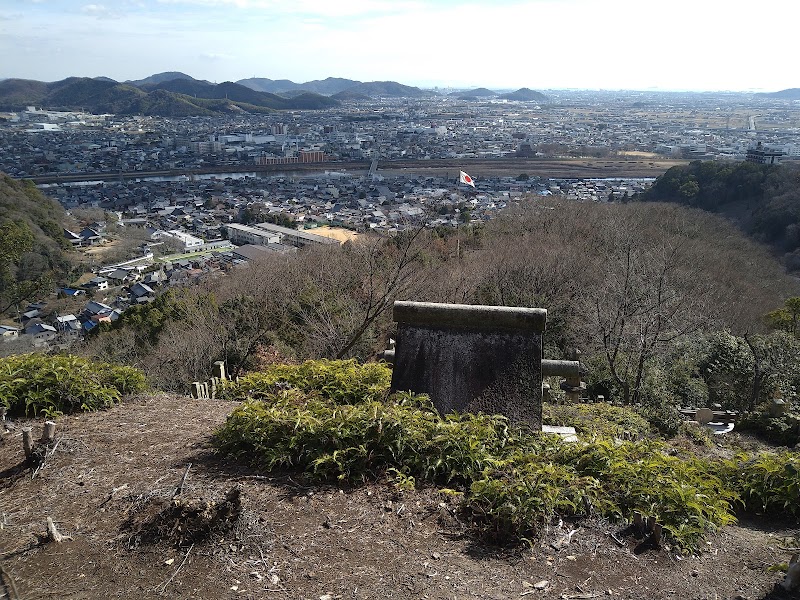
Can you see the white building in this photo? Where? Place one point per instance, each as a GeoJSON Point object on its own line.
{"type": "Point", "coordinates": [188, 241]}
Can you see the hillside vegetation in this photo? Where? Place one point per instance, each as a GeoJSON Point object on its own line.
{"type": "Point", "coordinates": [32, 243]}
{"type": "Point", "coordinates": [644, 290]}
{"type": "Point", "coordinates": [764, 200]}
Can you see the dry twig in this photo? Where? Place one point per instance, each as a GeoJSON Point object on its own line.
{"type": "Point", "coordinates": [179, 489]}
{"type": "Point", "coordinates": [8, 583]}
{"type": "Point", "coordinates": [164, 585]}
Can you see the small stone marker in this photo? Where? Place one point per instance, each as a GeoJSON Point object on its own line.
{"type": "Point", "coordinates": [778, 407]}
{"type": "Point", "coordinates": [704, 416]}
{"type": "Point", "coordinates": [49, 432]}
{"type": "Point", "coordinates": [472, 358]}
{"type": "Point", "coordinates": [218, 370]}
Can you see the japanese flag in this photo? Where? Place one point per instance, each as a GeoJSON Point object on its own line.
{"type": "Point", "coordinates": [466, 179]}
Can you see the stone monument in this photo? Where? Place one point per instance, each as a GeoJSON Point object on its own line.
{"type": "Point", "coordinates": [472, 358]}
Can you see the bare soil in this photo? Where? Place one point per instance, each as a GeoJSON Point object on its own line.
{"type": "Point", "coordinates": [111, 484]}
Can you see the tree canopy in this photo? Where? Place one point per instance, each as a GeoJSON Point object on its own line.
{"type": "Point", "coordinates": [32, 243]}
{"type": "Point", "coordinates": [764, 200]}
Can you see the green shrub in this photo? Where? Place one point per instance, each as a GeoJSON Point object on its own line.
{"type": "Point", "coordinates": [358, 441]}
{"type": "Point", "coordinates": [511, 504]}
{"type": "Point", "coordinates": [511, 480]}
{"type": "Point", "coordinates": [698, 434]}
{"type": "Point", "coordinates": [664, 417]}
{"type": "Point", "coordinates": [342, 381]}
{"type": "Point", "coordinates": [600, 419]}
{"type": "Point", "coordinates": [33, 384]}
{"type": "Point", "coordinates": [766, 483]}
{"type": "Point", "coordinates": [682, 492]}
{"type": "Point", "coordinates": [784, 430]}
{"type": "Point", "coordinates": [126, 380]}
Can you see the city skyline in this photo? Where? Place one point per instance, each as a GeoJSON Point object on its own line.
{"type": "Point", "coordinates": [541, 44]}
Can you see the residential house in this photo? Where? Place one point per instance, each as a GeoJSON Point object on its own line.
{"type": "Point", "coordinates": [72, 237]}
{"type": "Point", "coordinates": [141, 293]}
{"type": "Point", "coordinates": [72, 292]}
{"type": "Point", "coordinates": [8, 333]}
{"type": "Point", "coordinates": [122, 276]}
{"type": "Point", "coordinates": [97, 283]}
{"type": "Point", "coordinates": [40, 333]}
{"type": "Point", "coordinates": [68, 325]}
{"type": "Point", "coordinates": [96, 312]}
{"type": "Point", "coordinates": [90, 237]}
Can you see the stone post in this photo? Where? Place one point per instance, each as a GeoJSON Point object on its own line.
{"type": "Point", "coordinates": [218, 370]}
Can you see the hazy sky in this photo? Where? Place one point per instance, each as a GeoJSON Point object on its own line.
{"type": "Point", "coordinates": [541, 44]}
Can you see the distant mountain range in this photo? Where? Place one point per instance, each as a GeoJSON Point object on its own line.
{"type": "Point", "coordinates": [334, 86]}
{"type": "Point", "coordinates": [176, 94]}
{"type": "Point", "coordinates": [790, 94]}
{"type": "Point", "coordinates": [328, 87]}
{"type": "Point", "coordinates": [165, 94]}
{"type": "Point", "coordinates": [476, 94]}
{"type": "Point", "coordinates": [525, 95]}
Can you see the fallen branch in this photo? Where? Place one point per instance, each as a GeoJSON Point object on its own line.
{"type": "Point", "coordinates": [111, 495]}
{"type": "Point", "coordinates": [179, 489]}
{"type": "Point", "coordinates": [54, 448]}
{"type": "Point", "coordinates": [52, 533]}
{"type": "Point", "coordinates": [8, 583]}
{"type": "Point", "coordinates": [619, 542]}
{"type": "Point", "coordinates": [164, 585]}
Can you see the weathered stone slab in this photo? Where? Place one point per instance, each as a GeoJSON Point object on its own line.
{"type": "Point", "coordinates": [704, 416]}
{"type": "Point", "coordinates": [472, 358]}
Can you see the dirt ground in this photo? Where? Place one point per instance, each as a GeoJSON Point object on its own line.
{"type": "Point", "coordinates": [113, 473]}
{"type": "Point", "coordinates": [337, 233]}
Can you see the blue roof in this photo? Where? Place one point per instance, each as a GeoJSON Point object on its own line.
{"type": "Point", "coordinates": [71, 291]}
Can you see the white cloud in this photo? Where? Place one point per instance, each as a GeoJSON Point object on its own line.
{"type": "Point", "coordinates": [683, 44]}
{"type": "Point", "coordinates": [215, 56]}
{"type": "Point", "coordinates": [99, 10]}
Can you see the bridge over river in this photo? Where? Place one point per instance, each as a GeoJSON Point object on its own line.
{"type": "Point", "coordinates": [578, 168]}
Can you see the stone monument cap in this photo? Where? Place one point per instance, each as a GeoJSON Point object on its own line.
{"type": "Point", "coordinates": [470, 316]}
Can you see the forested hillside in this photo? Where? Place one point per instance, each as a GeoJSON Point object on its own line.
{"type": "Point", "coordinates": [764, 200]}
{"type": "Point", "coordinates": [624, 283]}
{"type": "Point", "coordinates": [32, 243]}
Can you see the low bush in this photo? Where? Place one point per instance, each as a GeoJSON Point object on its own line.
{"type": "Point", "coordinates": [697, 434]}
{"type": "Point", "coordinates": [355, 442]}
{"type": "Point", "coordinates": [766, 482]}
{"type": "Point", "coordinates": [343, 381]}
{"type": "Point", "coordinates": [510, 479]}
{"type": "Point", "coordinates": [664, 417]}
{"type": "Point", "coordinates": [599, 419]}
{"type": "Point", "coordinates": [783, 430]}
{"type": "Point", "coordinates": [34, 384]}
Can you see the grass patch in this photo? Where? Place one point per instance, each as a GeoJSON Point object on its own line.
{"type": "Point", "coordinates": [597, 420]}
{"type": "Point", "coordinates": [38, 384]}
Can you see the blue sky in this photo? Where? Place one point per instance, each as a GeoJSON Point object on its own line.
{"type": "Point", "coordinates": [541, 44]}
